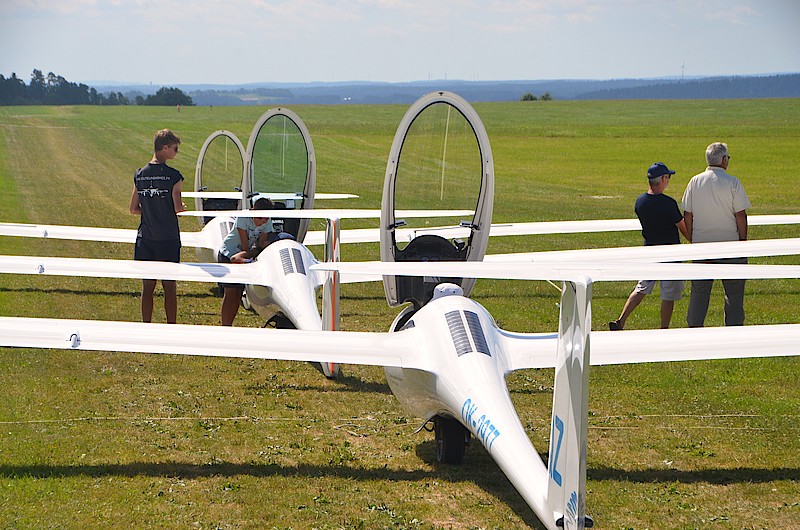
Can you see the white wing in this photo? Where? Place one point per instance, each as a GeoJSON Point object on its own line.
{"type": "Point", "coordinates": [610, 225]}
{"type": "Point", "coordinates": [326, 196]}
{"type": "Point", "coordinates": [235, 195]}
{"type": "Point", "coordinates": [390, 349]}
{"type": "Point", "coordinates": [110, 268]}
{"type": "Point", "coordinates": [87, 233]}
{"type": "Point", "coordinates": [188, 239]}
{"type": "Point", "coordinates": [368, 235]}
{"type": "Point", "coordinates": [695, 251]}
{"type": "Point", "coordinates": [376, 349]}
{"type": "Point", "coordinates": [229, 195]}
{"type": "Point", "coordinates": [566, 271]}
{"type": "Point", "coordinates": [690, 344]}
{"type": "Point", "coordinates": [661, 345]}
{"type": "Point", "coordinates": [563, 227]}
{"type": "Point", "coordinates": [373, 235]}
{"type": "Point", "coordinates": [364, 235]}
{"type": "Point", "coordinates": [247, 273]}
{"type": "Point", "coordinates": [592, 267]}
{"type": "Point", "coordinates": [251, 273]}
{"type": "Point", "coordinates": [80, 233]}
{"type": "Point", "coordinates": [324, 213]}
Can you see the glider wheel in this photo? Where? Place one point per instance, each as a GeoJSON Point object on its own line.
{"type": "Point", "coordinates": [452, 439]}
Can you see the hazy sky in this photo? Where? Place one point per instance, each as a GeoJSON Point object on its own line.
{"type": "Point", "coordinates": [228, 42]}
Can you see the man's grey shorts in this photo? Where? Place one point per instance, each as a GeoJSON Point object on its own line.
{"type": "Point", "coordinates": [670, 289]}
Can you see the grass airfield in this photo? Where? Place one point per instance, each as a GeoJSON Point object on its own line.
{"type": "Point", "coordinates": [112, 440]}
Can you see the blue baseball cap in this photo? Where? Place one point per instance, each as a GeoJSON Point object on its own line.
{"type": "Point", "coordinates": [659, 169]}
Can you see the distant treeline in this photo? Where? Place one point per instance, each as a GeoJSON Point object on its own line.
{"type": "Point", "coordinates": [775, 86]}
{"type": "Point", "coordinates": [53, 89]}
{"type": "Point", "coordinates": [370, 93]}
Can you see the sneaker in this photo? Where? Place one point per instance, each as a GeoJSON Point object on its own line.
{"type": "Point", "coordinates": [614, 325]}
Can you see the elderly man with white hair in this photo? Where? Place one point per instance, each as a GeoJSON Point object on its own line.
{"type": "Point", "coordinates": [715, 209]}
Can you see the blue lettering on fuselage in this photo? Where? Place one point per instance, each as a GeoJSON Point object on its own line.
{"type": "Point", "coordinates": [483, 428]}
{"type": "Point", "coordinates": [555, 450]}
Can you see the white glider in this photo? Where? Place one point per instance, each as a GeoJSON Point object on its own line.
{"type": "Point", "coordinates": [447, 363]}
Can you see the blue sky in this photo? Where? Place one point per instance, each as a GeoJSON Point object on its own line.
{"type": "Point", "coordinates": [210, 41]}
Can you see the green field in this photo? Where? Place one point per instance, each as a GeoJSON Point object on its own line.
{"type": "Point", "coordinates": [111, 440]}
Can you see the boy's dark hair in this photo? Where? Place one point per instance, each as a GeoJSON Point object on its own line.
{"type": "Point", "coordinates": [165, 137]}
{"type": "Point", "coordinates": [263, 204]}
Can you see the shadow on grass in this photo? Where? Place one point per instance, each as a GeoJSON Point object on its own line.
{"type": "Point", "coordinates": [85, 292]}
{"type": "Point", "coordinates": [479, 468]}
{"type": "Point", "coordinates": [346, 383]}
{"type": "Point", "coordinates": [708, 476]}
{"type": "Point", "coordinates": [194, 471]}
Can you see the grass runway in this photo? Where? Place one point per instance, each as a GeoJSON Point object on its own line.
{"type": "Point", "coordinates": [112, 440]}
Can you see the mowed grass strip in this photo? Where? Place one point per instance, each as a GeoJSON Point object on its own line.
{"type": "Point", "coordinates": [98, 439]}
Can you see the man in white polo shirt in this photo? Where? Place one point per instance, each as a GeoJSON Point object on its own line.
{"type": "Point", "coordinates": [715, 209]}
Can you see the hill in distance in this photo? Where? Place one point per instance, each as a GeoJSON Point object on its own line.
{"type": "Point", "coordinates": [366, 92]}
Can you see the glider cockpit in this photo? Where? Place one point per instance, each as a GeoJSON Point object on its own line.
{"type": "Point", "coordinates": [278, 164]}
{"type": "Point", "coordinates": [441, 148]}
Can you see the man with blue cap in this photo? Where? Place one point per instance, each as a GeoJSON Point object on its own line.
{"type": "Point", "coordinates": [661, 219]}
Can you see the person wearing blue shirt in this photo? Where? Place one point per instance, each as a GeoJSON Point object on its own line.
{"type": "Point", "coordinates": [661, 219]}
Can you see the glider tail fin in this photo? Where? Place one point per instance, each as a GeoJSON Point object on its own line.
{"type": "Point", "coordinates": [566, 491]}
{"type": "Point", "coordinates": [330, 290]}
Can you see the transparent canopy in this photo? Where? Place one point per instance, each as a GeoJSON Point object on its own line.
{"type": "Point", "coordinates": [440, 160]}
{"type": "Point", "coordinates": [440, 164]}
{"type": "Point", "coordinates": [279, 157]}
{"type": "Point", "coordinates": [222, 165]}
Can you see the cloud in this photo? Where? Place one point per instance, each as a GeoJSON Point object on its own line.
{"type": "Point", "coordinates": [255, 40]}
{"type": "Point", "coordinates": [15, 7]}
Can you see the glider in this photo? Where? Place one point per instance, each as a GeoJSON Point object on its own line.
{"type": "Point", "coordinates": [445, 358]}
{"type": "Point", "coordinates": [447, 361]}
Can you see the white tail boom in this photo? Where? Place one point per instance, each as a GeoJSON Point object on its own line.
{"type": "Point", "coordinates": [566, 466]}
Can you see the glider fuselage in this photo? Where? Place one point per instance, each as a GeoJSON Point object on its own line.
{"type": "Point", "coordinates": [465, 381]}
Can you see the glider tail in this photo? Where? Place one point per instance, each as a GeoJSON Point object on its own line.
{"type": "Point", "coordinates": [566, 491]}
{"type": "Point", "coordinates": [330, 291]}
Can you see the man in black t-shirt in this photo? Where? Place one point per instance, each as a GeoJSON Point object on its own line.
{"type": "Point", "coordinates": [157, 198]}
{"type": "Point", "coordinates": [661, 219]}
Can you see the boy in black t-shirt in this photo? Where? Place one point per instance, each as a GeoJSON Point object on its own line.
{"type": "Point", "coordinates": [157, 198]}
{"type": "Point", "coordinates": [661, 219]}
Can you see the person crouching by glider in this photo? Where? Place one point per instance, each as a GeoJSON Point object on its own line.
{"type": "Point", "coordinates": [245, 241]}
{"type": "Point", "coordinates": [661, 219]}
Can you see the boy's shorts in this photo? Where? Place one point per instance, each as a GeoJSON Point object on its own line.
{"type": "Point", "coordinates": [222, 258]}
{"type": "Point", "coordinates": [671, 290]}
{"type": "Point", "coordinates": [155, 250]}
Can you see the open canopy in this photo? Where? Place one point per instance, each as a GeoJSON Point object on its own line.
{"type": "Point", "coordinates": [440, 159]}
{"type": "Point", "coordinates": [220, 174]}
{"type": "Point", "coordinates": [280, 159]}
